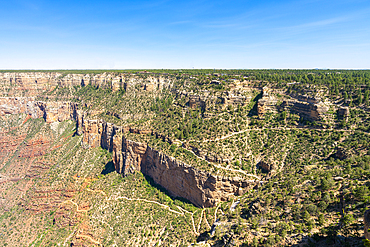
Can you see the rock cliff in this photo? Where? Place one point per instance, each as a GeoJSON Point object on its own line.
{"type": "Point", "coordinates": [181, 180]}
{"type": "Point", "coordinates": [308, 111]}
{"type": "Point", "coordinates": [50, 111]}
{"type": "Point", "coordinates": [311, 109]}
{"type": "Point", "coordinates": [367, 224]}
{"type": "Point", "coordinates": [33, 82]}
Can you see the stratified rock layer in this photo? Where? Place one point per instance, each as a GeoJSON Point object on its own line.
{"type": "Point", "coordinates": [181, 180]}
{"type": "Point", "coordinates": [50, 111]}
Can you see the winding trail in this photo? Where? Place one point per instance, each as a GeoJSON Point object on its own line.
{"type": "Point", "coordinates": [88, 237]}
{"type": "Point", "coordinates": [78, 210]}
{"type": "Point", "coordinates": [145, 200]}
{"type": "Point", "coordinates": [182, 211]}
{"type": "Point", "coordinates": [228, 169]}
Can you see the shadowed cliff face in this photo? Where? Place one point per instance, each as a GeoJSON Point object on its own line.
{"type": "Point", "coordinates": [180, 179]}
{"type": "Point", "coordinates": [367, 224]}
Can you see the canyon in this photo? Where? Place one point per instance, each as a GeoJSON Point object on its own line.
{"type": "Point", "coordinates": [114, 156]}
{"type": "Point", "coordinates": [179, 179]}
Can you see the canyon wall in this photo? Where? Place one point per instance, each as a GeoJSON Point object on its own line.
{"type": "Point", "coordinates": [179, 179]}
{"type": "Point", "coordinates": [30, 83]}
{"type": "Point", "coordinates": [50, 111]}
{"type": "Point", "coordinates": [311, 109]}
{"type": "Point", "coordinates": [308, 111]}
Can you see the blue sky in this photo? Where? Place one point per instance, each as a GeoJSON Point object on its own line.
{"type": "Point", "coordinates": [184, 34]}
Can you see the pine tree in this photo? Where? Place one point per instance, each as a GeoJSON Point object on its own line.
{"type": "Point", "coordinates": [359, 98]}
{"type": "Point", "coordinates": [345, 95]}
{"type": "Point", "coordinates": [366, 97]}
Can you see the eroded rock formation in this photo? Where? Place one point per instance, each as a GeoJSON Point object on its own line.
{"type": "Point", "coordinates": [266, 166]}
{"type": "Point", "coordinates": [180, 179]}
{"type": "Point", "coordinates": [311, 109]}
{"type": "Point", "coordinates": [50, 111]}
{"type": "Point", "coordinates": [367, 224]}
{"type": "Point", "coordinates": [33, 82]}
{"type": "Point", "coordinates": [343, 113]}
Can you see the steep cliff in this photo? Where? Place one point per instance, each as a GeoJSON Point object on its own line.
{"type": "Point", "coordinates": [181, 180]}
{"type": "Point", "coordinates": [50, 111]}
{"type": "Point", "coordinates": [308, 111]}
{"type": "Point", "coordinates": [311, 109]}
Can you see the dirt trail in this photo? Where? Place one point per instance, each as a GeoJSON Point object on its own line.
{"type": "Point", "coordinates": [78, 210]}
{"type": "Point", "coordinates": [162, 205]}
{"type": "Point", "coordinates": [145, 200]}
{"type": "Point", "coordinates": [88, 237]}
{"type": "Point", "coordinates": [229, 169]}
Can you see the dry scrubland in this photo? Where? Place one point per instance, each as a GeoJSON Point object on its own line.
{"type": "Point", "coordinates": [173, 158]}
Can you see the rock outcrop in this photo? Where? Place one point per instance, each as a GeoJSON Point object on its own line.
{"type": "Point", "coordinates": [181, 180]}
{"type": "Point", "coordinates": [267, 103]}
{"type": "Point", "coordinates": [33, 82]}
{"type": "Point", "coordinates": [343, 113]}
{"type": "Point", "coordinates": [50, 111]}
{"type": "Point", "coordinates": [266, 166]}
{"type": "Point", "coordinates": [311, 109]}
{"type": "Point", "coordinates": [17, 105]}
{"type": "Point", "coordinates": [367, 224]}
{"type": "Point", "coordinates": [308, 111]}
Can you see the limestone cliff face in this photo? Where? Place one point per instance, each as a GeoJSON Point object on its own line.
{"type": "Point", "coordinates": [50, 111]}
{"type": "Point", "coordinates": [57, 111]}
{"type": "Point", "coordinates": [92, 132]}
{"type": "Point", "coordinates": [312, 112]}
{"type": "Point", "coordinates": [33, 82]}
{"type": "Point", "coordinates": [181, 180]}
{"type": "Point", "coordinates": [311, 109]}
{"type": "Point", "coordinates": [17, 105]}
{"type": "Point", "coordinates": [97, 133]}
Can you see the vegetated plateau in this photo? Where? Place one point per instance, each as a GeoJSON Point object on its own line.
{"type": "Point", "coordinates": [185, 157]}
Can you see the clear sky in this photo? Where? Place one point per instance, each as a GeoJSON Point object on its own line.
{"type": "Point", "coordinates": [40, 34]}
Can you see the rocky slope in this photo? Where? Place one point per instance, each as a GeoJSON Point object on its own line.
{"type": "Point", "coordinates": [201, 188]}
{"type": "Point", "coordinates": [73, 181]}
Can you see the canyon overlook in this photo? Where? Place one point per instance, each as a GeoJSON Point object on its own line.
{"type": "Point", "coordinates": [172, 157]}
{"type": "Point", "coordinates": [179, 179]}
